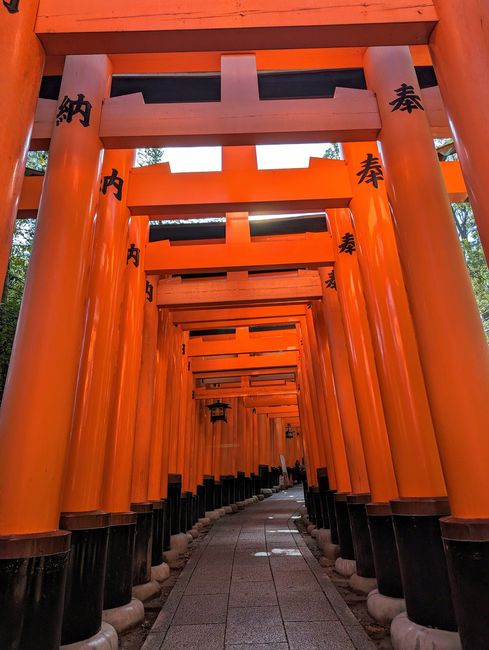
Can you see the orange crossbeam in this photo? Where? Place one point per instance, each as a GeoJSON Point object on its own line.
{"type": "Point", "coordinates": [241, 363]}
{"type": "Point", "coordinates": [311, 250]}
{"type": "Point", "coordinates": [270, 399]}
{"type": "Point", "coordinates": [286, 342]}
{"type": "Point", "coordinates": [91, 26]}
{"type": "Point", "coordinates": [276, 411]}
{"type": "Point", "coordinates": [240, 118]}
{"type": "Point", "coordinates": [227, 393]}
{"type": "Point", "coordinates": [235, 313]}
{"type": "Point", "coordinates": [213, 187]}
{"type": "Point", "coordinates": [314, 58]}
{"type": "Point", "coordinates": [154, 190]}
{"type": "Point", "coordinates": [302, 286]}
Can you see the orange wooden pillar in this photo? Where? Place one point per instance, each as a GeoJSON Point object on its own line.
{"type": "Point", "coordinates": [149, 513]}
{"type": "Point", "coordinates": [375, 440]}
{"type": "Point", "coordinates": [19, 87]}
{"type": "Point", "coordinates": [158, 451]}
{"type": "Point", "coordinates": [332, 338]}
{"type": "Point", "coordinates": [459, 47]}
{"type": "Point", "coordinates": [37, 404]}
{"type": "Point", "coordinates": [365, 382]}
{"type": "Point", "coordinates": [116, 491]}
{"type": "Point", "coordinates": [81, 495]}
{"type": "Point", "coordinates": [452, 346]}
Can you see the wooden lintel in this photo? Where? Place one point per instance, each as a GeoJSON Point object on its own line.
{"type": "Point", "coordinates": [154, 190]}
{"type": "Point", "coordinates": [270, 399]}
{"type": "Point", "coordinates": [240, 118]}
{"type": "Point", "coordinates": [301, 286]}
{"type": "Point", "coordinates": [244, 362]}
{"type": "Point", "coordinates": [93, 27]}
{"type": "Point", "coordinates": [286, 342]}
{"type": "Point", "coordinates": [310, 250]}
{"type": "Point", "coordinates": [228, 393]}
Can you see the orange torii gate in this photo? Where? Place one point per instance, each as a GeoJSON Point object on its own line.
{"type": "Point", "coordinates": [364, 290]}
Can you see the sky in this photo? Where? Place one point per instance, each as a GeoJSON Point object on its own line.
{"type": "Point", "coordinates": [282, 156]}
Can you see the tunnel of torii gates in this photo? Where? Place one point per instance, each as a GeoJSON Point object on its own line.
{"type": "Point", "coordinates": [349, 337]}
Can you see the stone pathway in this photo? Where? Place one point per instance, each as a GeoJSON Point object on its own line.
{"type": "Point", "coordinates": [254, 585]}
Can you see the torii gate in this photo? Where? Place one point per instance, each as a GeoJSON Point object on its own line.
{"type": "Point", "coordinates": [44, 367]}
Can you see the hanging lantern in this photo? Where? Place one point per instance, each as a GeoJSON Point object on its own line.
{"type": "Point", "coordinates": [218, 411]}
{"type": "Point", "coordinates": [289, 432]}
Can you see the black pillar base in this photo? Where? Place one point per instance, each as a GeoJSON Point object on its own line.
{"type": "Point", "coordinates": [31, 565]}
{"type": "Point", "coordinates": [255, 482]}
{"type": "Point", "coordinates": [318, 513]}
{"type": "Point", "coordinates": [226, 485]}
{"type": "Point", "coordinates": [362, 545]}
{"type": "Point", "coordinates": [158, 531]}
{"type": "Point", "coordinates": [141, 564]}
{"type": "Point", "coordinates": [466, 543]}
{"type": "Point", "coordinates": [218, 494]}
{"type": "Point", "coordinates": [84, 594]}
{"type": "Point", "coordinates": [323, 486]}
{"type": "Point", "coordinates": [190, 511]}
{"type": "Point", "coordinates": [167, 529]}
{"type": "Point", "coordinates": [344, 529]}
{"type": "Point", "coordinates": [182, 528]}
{"type": "Point", "coordinates": [201, 501]}
{"type": "Point", "coordinates": [422, 560]}
{"type": "Point", "coordinates": [118, 572]}
{"type": "Point", "coordinates": [210, 497]}
{"type": "Point", "coordinates": [333, 526]}
{"type": "Point", "coordinates": [248, 483]}
{"type": "Point", "coordinates": [174, 496]}
{"type": "Point", "coordinates": [384, 548]}
{"type": "Point", "coordinates": [241, 487]}
{"type": "Point", "coordinates": [264, 476]}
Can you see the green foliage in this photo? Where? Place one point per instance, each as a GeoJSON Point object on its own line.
{"type": "Point", "coordinates": [474, 258]}
{"type": "Point", "coordinates": [333, 151]}
{"type": "Point", "coordinates": [151, 156]}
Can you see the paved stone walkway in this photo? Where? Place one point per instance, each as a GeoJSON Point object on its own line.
{"type": "Point", "coordinates": [254, 585]}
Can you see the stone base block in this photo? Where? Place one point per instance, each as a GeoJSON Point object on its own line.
{"type": "Point", "coordinates": [249, 502]}
{"type": "Point", "coordinates": [147, 591]}
{"type": "Point", "coordinates": [105, 639]}
{"type": "Point", "coordinates": [323, 537]}
{"type": "Point", "coordinates": [173, 559]}
{"type": "Point", "coordinates": [331, 551]}
{"type": "Point", "coordinates": [362, 585]}
{"type": "Point", "coordinates": [228, 510]}
{"type": "Point", "coordinates": [260, 497]}
{"type": "Point", "coordinates": [314, 533]}
{"type": "Point", "coordinates": [195, 532]}
{"type": "Point", "coordinates": [240, 505]}
{"type": "Point", "coordinates": [213, 515]}
{"type": "Point", "coordinates": [179, 543]}
{"type": "Point", "coordinates": [205, 521]}
{"type": "Point", "coordinates": [310, 528]}
{"type": "Point", "coordinates": [126, 617]}
{"type": "Point", "coordinates": [325, 562]}
{"type": "Point", "coordinates": [267, 492]}
{"type": "Point", "coordinates": [255, 498]}
{"type": "Point", "coordinates": [221, 511]}
{"type": "Point", "coordinates": [384, 609]}
{"type": "Point", "coordinates": [345, 568]}
{"type": "Point", "coordinates": [161, 572]}
{"type": "Point", "coordinates": [406, 635]}
{"type": "Point", "coordinates": [190, 538]}
{"type": "Point", "coordinates": [235, 508]}
{"type": "Point", "coordinates": [198, 526]}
